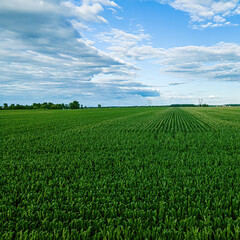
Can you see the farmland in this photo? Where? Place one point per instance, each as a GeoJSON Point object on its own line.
{"type": "Point", "coordinates": [124, 173]}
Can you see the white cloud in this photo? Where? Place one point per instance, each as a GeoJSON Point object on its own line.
{"type": "Point", "coordinates": [212, 97]}
{"type": "Point", "coordinates": [42, 51]}
{"type": "Point", "coordinates": [180, 97]}
{"type": "Point", "coordinates": [219, 19]}
{"type": "Point", "coordinates": [121, 43]}
{"type": "Point", "coordinates": [103, 2]}
{"type": "Point", "coordinates": [79, 26]}
{"type": "Point", "coordinates": [203, 12]}
{"type": "Point", "coordinates": [87, 10]}
{"type": "Point", "coordinates": [219, 62]}
{"type": "Point", "coordinates": [213, 25]}
{"type": "Point", "coordinates": [30, 6]}
{"type": "Point", "coordinates": [89, 13]}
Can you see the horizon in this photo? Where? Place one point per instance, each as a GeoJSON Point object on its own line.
{"type": "Point", "coordinates": [82, 106]}
{"type": "Point", "coordinates": [120, 53]}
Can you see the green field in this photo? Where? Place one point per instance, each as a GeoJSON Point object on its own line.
{"type": "Point", "coordinates": [123, 173]}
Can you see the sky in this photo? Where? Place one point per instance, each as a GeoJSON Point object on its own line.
{"type": "Point", "coordinates": [121, 52]}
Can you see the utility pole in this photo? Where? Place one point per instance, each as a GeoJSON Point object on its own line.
{"type": "Point", "coordinates": [200, 101]}
{"type": "Point", "coordinates": [149, 102]}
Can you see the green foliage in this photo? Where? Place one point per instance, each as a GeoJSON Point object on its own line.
{"type": "Point", "coordinates": [129, 173]}
{"type": "Point", "coordinates": [74, 105]}
{"type": "Point", "coordinates": [5, 106]}
{"type": "Point", "coordinates": [183, 105]}
{"type": "Point", "coordinates": [45, 105]}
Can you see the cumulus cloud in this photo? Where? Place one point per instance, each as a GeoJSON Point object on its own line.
{"type": "Point", "coordinates": [103, 2]}
{"type": "Point", "coordinates": [120, 43]}
{"type": "Point", "coordinates": [206, 13]}
{"type": "Point", "coordinates": [219, 62]}
{"type": "Point", "coordinates": [87, 10]}
{"type": "Point", "coordinates": [42, 52]}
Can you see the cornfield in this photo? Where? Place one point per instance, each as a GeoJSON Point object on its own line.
{"type": "Point", "coordinates": [124, 173]}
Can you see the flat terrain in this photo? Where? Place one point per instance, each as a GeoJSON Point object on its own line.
{"type": "Point", "coordinates": [129, 173]}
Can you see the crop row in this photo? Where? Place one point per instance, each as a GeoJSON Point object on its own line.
{"type": "Point", "coordinates": [131, 173]}
{"type": "Point", "coordinates": [177, 120]}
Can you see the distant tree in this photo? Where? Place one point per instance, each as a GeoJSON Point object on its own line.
{"type": "Point", "coordinates": [74, 105]}
{"type": "Point", "coordinates": [99, 105]}
{"type": "Point", "coordinates": [66, 106]}
{"type": "Point", "coordinates": [45, 105]}
{"type": "Point", "coordinates": [182, 105]}
{"type": "Point", "coordinates": [18, 106]}
{"type": "Point", "coordinates": [36, 105]}
{"type": "Point", "coordinates": [233, 105]}
{"type": "Point", "coordinates": [12, 106]}
{"type": "Point", "coordinates": [5, 106]}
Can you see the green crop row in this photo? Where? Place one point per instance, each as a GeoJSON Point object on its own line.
{"type": "Point", "coordinates": [128, 173]}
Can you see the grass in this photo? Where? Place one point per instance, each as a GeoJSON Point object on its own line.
{"type": "Point", "coordinates": [129, 173]}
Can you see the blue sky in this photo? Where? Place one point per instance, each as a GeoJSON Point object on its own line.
{"type": "Point", "coordinates": [123, 52]}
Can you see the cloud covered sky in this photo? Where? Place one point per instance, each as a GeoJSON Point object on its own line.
{"type": "Point", "coordinates": [124, 52]}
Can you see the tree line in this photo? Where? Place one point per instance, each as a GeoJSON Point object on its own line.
{"type": "Point", "coordinates": [189, 105]}
{"type": "Point", "coordinates": [45, 105]}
